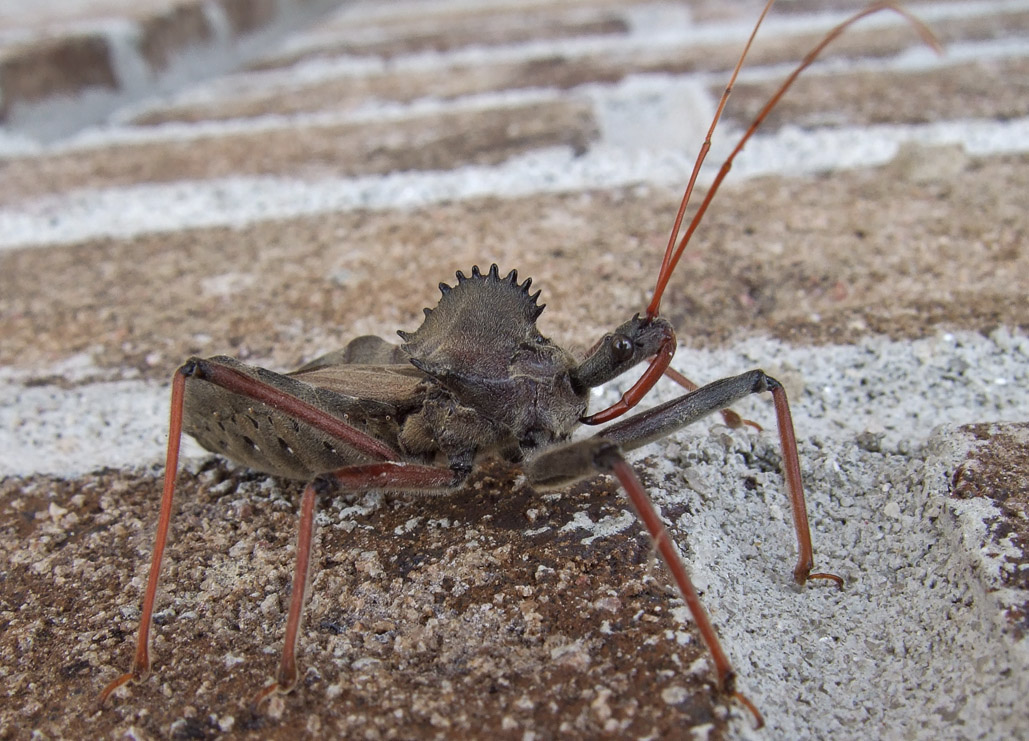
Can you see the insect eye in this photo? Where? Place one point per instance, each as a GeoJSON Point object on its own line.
{"type": "Point", "coordinates": [622, 348]}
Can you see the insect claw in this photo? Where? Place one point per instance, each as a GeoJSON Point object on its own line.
{"type": "Point", "coordinates": [115, 685]}
{"type": "Point", "coordinates": [735, 421]}
{"type": "Point", "coordinates": [272, 688]}
{"type": "Point", "coordinates": [838, 580]}
{"type": "Point", "coordinates": [759, 720]}
{"type": "Point", "coordinates": [802, 575]}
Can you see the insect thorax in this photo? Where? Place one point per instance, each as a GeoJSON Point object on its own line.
{"type": "Point", "coordinates": [499, 382]}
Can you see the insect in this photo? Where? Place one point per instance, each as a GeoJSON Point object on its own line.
{"type": "Point", "coordinates": [476, 380]}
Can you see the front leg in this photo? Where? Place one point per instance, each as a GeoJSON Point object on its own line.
{"type": "Point", "coordinates": [666, 418]}
{"type": "Point", "coordinates": [603, 454]}
{"type": "Point", "coordinates": [596, 455]}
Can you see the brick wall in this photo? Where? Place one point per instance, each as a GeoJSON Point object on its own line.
{"type": "Point", "coordinates": [235, 178]}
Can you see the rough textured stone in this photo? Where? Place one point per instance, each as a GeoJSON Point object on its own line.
{"type": "Point", "coordinates": [887, 299]}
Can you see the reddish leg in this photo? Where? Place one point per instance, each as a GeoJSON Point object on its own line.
{"type": "Point", "coordinates": [286, 678]}
{"type": "Point", "coordinates": [238, 383]}
{"type": "Point", "coordinates": [724, 672]}
{"type": "Point", "coordinates": [791, 472]}
{"type": "Point", "coordinates": [388, 475]}
{"type": "Point", "coordinates": [559, 466]}
{"type": "Point", "coordinates": [141, 663]}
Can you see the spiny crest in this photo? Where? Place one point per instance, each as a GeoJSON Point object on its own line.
{"type": "Point", "coordinates": [479, 311]}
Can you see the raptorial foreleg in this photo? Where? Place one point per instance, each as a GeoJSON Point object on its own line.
{"type": "Point", "coordinates": [666, 418]}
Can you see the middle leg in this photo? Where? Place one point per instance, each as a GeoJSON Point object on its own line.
{"type": "Point", "coordinates": [390, 475]}
{"type": "Point", "coordinates": [595, 455]}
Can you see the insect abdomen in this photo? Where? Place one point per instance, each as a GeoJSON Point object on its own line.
{"type": "Point", "coordinates": [260, 437]}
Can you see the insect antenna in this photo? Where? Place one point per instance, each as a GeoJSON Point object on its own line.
{"type": "Point", "coordinates": [659, 362]}
{"type": "Point", "coordinates": [674, 251]}
{"type": "Point", "coordinates": [667, 265]}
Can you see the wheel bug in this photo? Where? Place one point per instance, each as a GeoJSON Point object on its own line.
{"type": "Point", "coordinates": [475, 380]}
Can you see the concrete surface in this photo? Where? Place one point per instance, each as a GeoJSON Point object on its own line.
{"type": "Point", "coordinates": [868, 250]}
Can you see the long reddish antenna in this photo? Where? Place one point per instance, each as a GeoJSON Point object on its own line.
{"type": "Point", "coordinates": [673, 252]}
{"type": "Point", "coordinates": [666, 266]}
